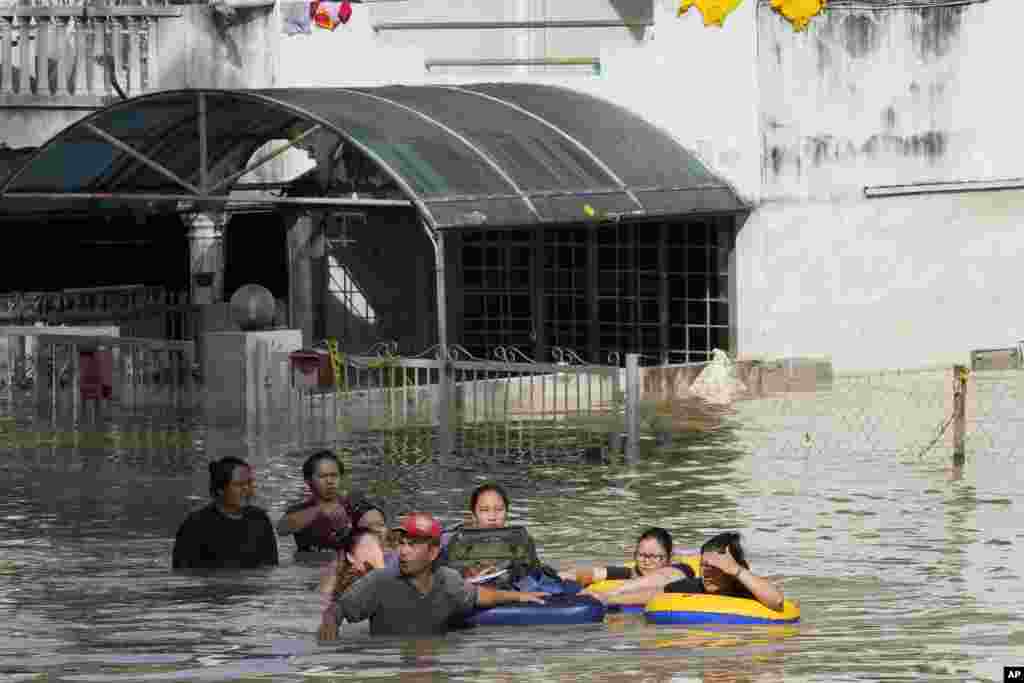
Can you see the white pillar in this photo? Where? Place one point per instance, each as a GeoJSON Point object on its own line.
{"type": "Point", "coordinates": [206, 257]}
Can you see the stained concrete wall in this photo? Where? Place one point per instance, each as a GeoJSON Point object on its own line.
{"type": "Point", "coordinates": [893, 96]}
{"type": "Point", "coordinates": [873, 97]}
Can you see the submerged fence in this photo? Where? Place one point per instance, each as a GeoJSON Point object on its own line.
{"type": "Point", "coordinates": [509, 405]}
{"type": "Point", "coordinates": [947, 414]}
{"type": "Point", "coordinates": [73, 372]}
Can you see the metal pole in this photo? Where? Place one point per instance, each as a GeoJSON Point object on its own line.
{"type": "Point", "coordinates": [632, 407]}
{"type": "Point", "coordinates": [959, 413]}
{"type": "Point", "coordinates": [203, 156]}
{"type": "Point", "coordinates": [76, 387]}
{"type": "Point", "coordinates": [445, 385]}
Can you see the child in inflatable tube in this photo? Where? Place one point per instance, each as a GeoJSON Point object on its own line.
{"type": "Point", "coordinates": [491, 546]}
{"type": "Point", "coordinates": [653, 553]}
{"type": "Point", "coordinates": [724, 571]}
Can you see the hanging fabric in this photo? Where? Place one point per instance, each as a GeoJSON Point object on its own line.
{"type": "Point", "coordinates": [330, 15]}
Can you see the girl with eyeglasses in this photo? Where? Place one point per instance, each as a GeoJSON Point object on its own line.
{"type": "Point", "coordinates": [653, 555]}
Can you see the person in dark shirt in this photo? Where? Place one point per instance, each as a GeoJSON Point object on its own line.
{"type": "Point", "coordinates": [653, 554]}
{"type": "Point", "coordinates": [321, 522]}
{"type": "Point", "coordinates": [229, 532]}
{"type": "Point", "coordinates": [418, 600]}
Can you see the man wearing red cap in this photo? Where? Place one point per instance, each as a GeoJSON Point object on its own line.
{"type": "Point", "coordinates": [418, 600]}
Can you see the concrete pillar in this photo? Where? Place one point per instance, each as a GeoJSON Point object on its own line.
{"type": "Point", "coordinates": [206, 260]}
{"type": "Point", "coordinates": [302, 269]}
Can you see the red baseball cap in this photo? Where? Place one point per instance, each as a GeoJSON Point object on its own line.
{"type": "Point", "coordinates": [420, 525]}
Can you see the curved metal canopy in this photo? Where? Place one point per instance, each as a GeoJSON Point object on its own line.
{"type": "Point", "coordinates": [485, 154]}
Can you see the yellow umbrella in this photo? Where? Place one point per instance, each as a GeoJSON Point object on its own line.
{"type": "Point", "coordinates": [798, 12]}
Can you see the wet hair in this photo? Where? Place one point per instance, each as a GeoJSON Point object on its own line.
{"type": "Point", "coordinates": [663, 537]}
{"type": "Point", "coordinates": [484, 488]}
{"type": "Point", "coordinates": [221, 472]}
{"type": "Point", "coordinates": [361, 507]}
{"type": "Point", "coordinates": [313, 461]}
{"type": "Point", "coordinates": [730, 540]}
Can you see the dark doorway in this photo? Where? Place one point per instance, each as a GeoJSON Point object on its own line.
{"type": "Point", "coordinates": [256, 252]}
{"type": "Point", "coordinates": [96, 252]}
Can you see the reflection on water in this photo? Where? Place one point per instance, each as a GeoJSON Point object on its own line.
{"type": "Point", "coordinates": [903, 572]}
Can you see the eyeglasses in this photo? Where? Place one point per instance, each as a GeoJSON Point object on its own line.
{"type": "Point", "coordinates": [646, 557]}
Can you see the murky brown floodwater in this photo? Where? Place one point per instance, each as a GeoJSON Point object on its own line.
{"type": "Point", "coordinates": [903, 570]}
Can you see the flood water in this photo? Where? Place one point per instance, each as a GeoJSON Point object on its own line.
{"type": "Point", "coordinates": [904, 569]}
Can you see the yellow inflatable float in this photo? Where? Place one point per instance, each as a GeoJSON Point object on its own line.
{"type": "Point", "coordinates": [698, 608]}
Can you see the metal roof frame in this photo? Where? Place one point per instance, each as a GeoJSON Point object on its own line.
{"type": "Point", "coordinates": [152, 116]}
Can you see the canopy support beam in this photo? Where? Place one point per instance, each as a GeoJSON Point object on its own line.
{"type": "Point", "coordinates": [204, 180]}
{"type": "Point", "coordinates": [130, 151]}
{"type": "Point", "coordinates": [211, 200]}
{"type": "Point", "coordinates": [266, 158]}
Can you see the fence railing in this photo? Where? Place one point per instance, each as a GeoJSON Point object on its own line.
{"type": "Point", "coordinates": [508, 404]}
{"type": "Point", "coordinates": [71, 371]}
{"type": "Point", "coordinates": [68, 47]}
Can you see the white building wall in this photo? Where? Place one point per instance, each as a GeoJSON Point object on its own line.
{"type": "Point", "coordinates": [869, 97]}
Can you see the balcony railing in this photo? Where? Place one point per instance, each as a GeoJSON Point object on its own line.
{"type": "Point", "coordinates": [64, 49]}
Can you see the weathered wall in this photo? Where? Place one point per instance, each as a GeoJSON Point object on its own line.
{"type": "Point", "coordinates": [202, 51]}
{"type": "Point", "coordinates": [876, 97]}
{"type": "Point", "coordinates": [885, 283]}
{"type": "Point", "coordinates": [890, 95]}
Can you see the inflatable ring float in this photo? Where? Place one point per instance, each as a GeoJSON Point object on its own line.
{"type": "Point", "coordinates": [557, 609]}
{"type": "Point", "coordinates": [701, 608]}
{"type": "Point", "coordinates": [609, 585]}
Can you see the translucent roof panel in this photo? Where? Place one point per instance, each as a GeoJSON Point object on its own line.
{"type": "Point", "coordinates": [498, 154]}
{"type": "Point", "coordinates": [431, 161]}
{"type": "Point", "coordinates": [639, 153]}
{"type": "Point", "coordinates": [535, 156]}
{"type": "Point", "coordinates": [71, 166]}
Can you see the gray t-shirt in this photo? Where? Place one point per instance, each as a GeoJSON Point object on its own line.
{"type": "Point", "coordinates": [395, 607]}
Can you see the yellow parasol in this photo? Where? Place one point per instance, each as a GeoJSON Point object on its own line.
{"type": "Point", "coordinates": [713, 11]}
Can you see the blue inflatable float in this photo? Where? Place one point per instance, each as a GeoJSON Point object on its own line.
{"type": "Point", "coordinates": [557, 610]}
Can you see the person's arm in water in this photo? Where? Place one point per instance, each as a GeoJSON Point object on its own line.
{"type": "Point", "coordinates": [654, 580]}
{"type": "Point", "coordinates": [635, 597]}
{"type": "Point", "coordinates": [490, 597]}
{"type": "Point", "coordinates": [329, 615]}
{"type": "Point", "coordinates": [361, 600]}
{"type": "Point", "coordinates": [585, 577]}
{"type": "Point", "coordinates": [763, 590]}
{"type": "Point", "coordinates": [297, 520]}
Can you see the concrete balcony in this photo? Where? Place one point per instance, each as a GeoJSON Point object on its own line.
{"type": "Point", "coordinates": [60, 54]}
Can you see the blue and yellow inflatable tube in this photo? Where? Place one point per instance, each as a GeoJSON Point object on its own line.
{"type": "Point", "coordinates": [697, 608]}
